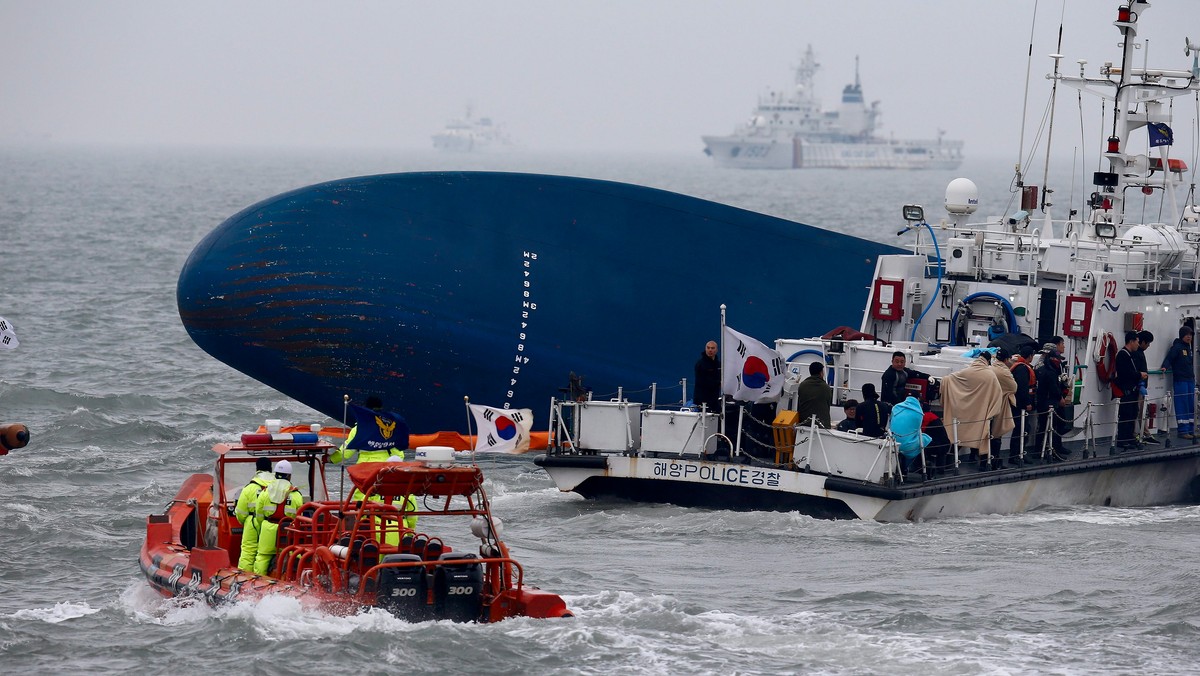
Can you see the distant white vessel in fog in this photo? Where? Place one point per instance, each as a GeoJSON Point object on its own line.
{"type": "Point", "coordinates": [788, 130]}
{"type": "Point", "coordinates": [470, 134]}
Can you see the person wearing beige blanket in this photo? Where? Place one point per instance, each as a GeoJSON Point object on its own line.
{"type": "Point", "coordinates": [1003, 423]}
{"type": "Point", "coordinates": [972, 398]}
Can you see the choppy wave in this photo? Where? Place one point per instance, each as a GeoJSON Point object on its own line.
{"type": "Point", "coordinates": [122, 407]}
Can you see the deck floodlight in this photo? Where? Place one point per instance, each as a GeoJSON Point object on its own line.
{"type": "Point", "coordinates": [914, 213]}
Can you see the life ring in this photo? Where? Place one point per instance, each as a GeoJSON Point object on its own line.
{"type": "Point", "coordinates": [1106, 358]}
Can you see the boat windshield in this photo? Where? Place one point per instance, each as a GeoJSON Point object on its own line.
{"type": "Point", "coordinates": [307, 475]}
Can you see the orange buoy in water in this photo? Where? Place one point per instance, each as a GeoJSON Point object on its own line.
{"type": "Point", "coordinates": [12, 437]}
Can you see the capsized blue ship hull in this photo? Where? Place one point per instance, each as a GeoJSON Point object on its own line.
{"type": "Point", "coordinates": [423, 288]}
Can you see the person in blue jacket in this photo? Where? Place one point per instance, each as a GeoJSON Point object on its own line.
{"type": "Point", "coordinates": [1183, 378]}
{"type": "Point", "coordinates": [905, 424]}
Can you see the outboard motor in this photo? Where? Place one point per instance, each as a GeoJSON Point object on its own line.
{"type": "Point", "coordinates": [404, 592]}
{"type": "Point", "coordinates": [458, 588]}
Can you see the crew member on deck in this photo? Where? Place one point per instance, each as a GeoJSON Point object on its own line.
{"type": "Point", "coordinates": [1139, 358]}
{"type": "Point", "coordinates": [1127, 381]}
{"type": "Point", "coordinates": [814, 396]}
{"type": "Point", "coordinates": [708, 379]}
{"type": "Point", "coordinates": [368, 452]}
{"type": "Point", "coordinates": [895, 378]}
{"type": "Point", "coordinates": [244, 510]}
{"type": "Point", "coordinates": [278, 501]}
{"type": "Point", "coordinates": [407, 505]}
{"type": "Point", "coordinates": [1183, 378]}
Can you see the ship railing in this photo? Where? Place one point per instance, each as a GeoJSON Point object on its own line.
{"type": "Point", "coordinates": [1186, 276]}
{"type": "Point", "coordinates": [1088, 425]}
{"type": "Point", "coordinates": [1141, 263]}
{"type": "Point", "coordinates": [983, 250]}
{"type": "Point", "coordinates": [1000, 251]}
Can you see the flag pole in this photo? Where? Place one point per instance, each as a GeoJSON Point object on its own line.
{"type": "Point", "coordinates": [721, 370]}
{"type": "Point", "coordinates": [342, 464]}
{"type": "Point", "coordinates": [467, 408]}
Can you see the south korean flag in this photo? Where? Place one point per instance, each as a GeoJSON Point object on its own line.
{"type": "Point", "coordinates": [751, 371]}
{"type": "Point", "coordinates": [8, 338]}
{"type": "Point", "coordinates": [501, 430]}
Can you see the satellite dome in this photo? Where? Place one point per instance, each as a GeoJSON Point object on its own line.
{"type": "Point", "coordinates": [962, 196]}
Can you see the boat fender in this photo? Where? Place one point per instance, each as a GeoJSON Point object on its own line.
{"type": "Point", "coordinates": [12, 437]}
{"type": "Point", "coordinates": [479, 528]}
{"type": "Point", "coordinates": [325, 564]}
{"type": "Point", "coordinates": [1106, 357]}
{"type": "Point", "coordinates": [1194, 489]}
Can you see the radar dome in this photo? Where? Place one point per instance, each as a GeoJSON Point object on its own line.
{"type": "Point", "coordinates": [962, 196]}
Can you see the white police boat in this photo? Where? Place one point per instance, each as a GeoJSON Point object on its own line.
{"type": "Point", "coordinates": [1127, 256]}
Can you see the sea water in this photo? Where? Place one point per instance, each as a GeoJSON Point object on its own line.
{"type": "Point", "coordinates": [123, 407]}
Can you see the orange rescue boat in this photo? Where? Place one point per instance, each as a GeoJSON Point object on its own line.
{"type": "Point", "coordinates": [343, 556]}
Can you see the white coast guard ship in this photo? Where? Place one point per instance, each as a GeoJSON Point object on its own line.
{"type": "Point", "coordinates": [788, 130]}
{"type": "Point", "coordinates": [469, 134]}
{"type": "Point", "coordinates": [1088, 277]}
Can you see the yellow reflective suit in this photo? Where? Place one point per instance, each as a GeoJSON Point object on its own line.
{"type": "Point", "coordinates": [408, 504]}
{"type": "Point", "coordinates": [243, 510]}
{"type": "Point", "coordinates": [345, 453]}
{"type": "Point", "coordinates": [277, 501]}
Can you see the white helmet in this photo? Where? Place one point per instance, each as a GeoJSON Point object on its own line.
{"type": "Point", "coordinates": [394, 458]}
{"type": "Point", "coordinates": [283, 467]}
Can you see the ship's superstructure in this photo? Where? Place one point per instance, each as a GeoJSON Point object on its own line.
{"type": "Point", "coordinates": [789, 130]}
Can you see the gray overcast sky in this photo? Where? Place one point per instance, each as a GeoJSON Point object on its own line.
{"type": "Point", "coordinates": [616, 75]}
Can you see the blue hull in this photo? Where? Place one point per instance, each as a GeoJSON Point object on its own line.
{"type": "Point", "coordinates": [425, 287]}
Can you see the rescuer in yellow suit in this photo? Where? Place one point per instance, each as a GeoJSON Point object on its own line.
{"type": "Point", "coordinates": [377, 427]}
{"type": "Point", "coordinates": [278, 501]}
{"type": "Point", "coordinates": [244, 509]}
{"type": "Point", "coordinates": [406, 504]}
